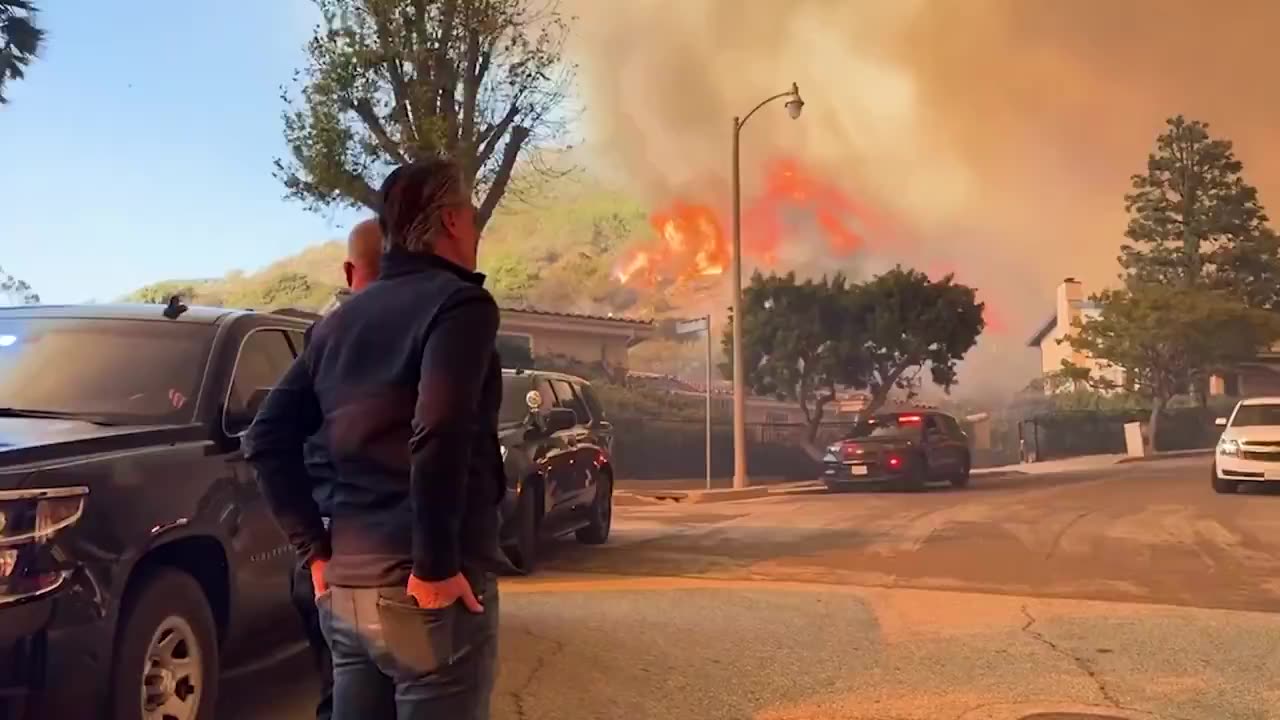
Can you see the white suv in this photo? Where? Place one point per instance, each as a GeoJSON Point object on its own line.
{"type": "Point", "coordinates": [1249, 449]}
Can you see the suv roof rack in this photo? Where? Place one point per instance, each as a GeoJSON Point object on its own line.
{"type": "Point", "coordinates": [296, 313]}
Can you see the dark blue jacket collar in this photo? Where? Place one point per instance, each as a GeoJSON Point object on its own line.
{"type": "Point", "coordinates": [398, 262]}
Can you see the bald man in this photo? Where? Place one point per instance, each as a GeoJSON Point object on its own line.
{"type": "Point", "coordinates": [364, 254]}
{"type": "Point", "coordinates": [364, 260]}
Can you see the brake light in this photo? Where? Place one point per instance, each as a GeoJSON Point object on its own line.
{"type": "Point", "coordinates": [909, 419]}
{"type": "Point", "coordinates": [29, 519]}
{"type": "Point", "coordinates": [894, 462]}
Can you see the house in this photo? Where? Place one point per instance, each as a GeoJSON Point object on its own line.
{"type": "Point", "coordinates": [1260, 376]}
{"type": "Point", "coordinates": [1071, 306]}
{"type": "Point", "coordinates": [586, 339]}
{"type": "Point", "coordinates": [759, 410]}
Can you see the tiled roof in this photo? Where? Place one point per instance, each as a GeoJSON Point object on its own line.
{"type": "Point", "coordinates": [1044, 331]}
{"type": "Point", "coordinates": [579, 316]}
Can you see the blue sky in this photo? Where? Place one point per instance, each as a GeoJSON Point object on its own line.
{"type": "Point", "coordinates": [139, 147]}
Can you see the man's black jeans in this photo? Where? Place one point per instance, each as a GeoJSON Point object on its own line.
{"type": "Point", "coordinates": [432, 663]}
{"type": "Point", "coordinates": [304, 600]}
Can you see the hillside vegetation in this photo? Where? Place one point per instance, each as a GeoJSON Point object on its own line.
{"type": "Point", "coordinates": [554, 252]}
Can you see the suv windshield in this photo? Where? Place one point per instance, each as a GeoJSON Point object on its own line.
{"type": "Point", "coordinates": [1252, 415]}
{"type": "Point", "coordinates": [119, 371]}
{"type": "Point", "coordinates": [887, 426]}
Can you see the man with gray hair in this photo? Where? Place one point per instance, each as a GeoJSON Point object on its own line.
{"type": "Point", "coordinates": [405, 381]}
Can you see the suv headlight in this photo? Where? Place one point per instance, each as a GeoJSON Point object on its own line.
{"type": "Point", "coordinates": [1229, 448]}
{"type": "Point", "coordinates": [29, 519]}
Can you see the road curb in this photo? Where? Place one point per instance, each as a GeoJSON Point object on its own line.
{"type": "Point", "coordinates": [1171, 455]}
{"type": "Point", "coordinates": [699, 497]}
{"type": "Point", "coordinates": [990, 474]}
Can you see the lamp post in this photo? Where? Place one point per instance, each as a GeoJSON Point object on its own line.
{"type": "Point", "coordinates": [794, 105]}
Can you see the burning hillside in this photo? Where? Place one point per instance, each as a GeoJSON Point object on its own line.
{"type": "Point", "coordinates": [797, 221]}
{"type": "Point", "coordinates": [690, 239]}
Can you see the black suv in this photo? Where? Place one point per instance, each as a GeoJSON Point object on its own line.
{"type": "Point", "coordinates": [906, 450]}
{"type": "Point", "coordinates": [556, 443]}
{"type": "Point", "coordinates": [137, 556]}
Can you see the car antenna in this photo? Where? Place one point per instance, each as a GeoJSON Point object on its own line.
{"type": "Point", "coordinates": [175, 308]}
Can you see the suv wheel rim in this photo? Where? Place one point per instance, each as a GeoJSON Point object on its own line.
{"type": "Point", "coordinates": [172, 673]}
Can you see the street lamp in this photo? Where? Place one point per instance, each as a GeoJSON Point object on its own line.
{"type": "Point", "coordinates": [794, 106]}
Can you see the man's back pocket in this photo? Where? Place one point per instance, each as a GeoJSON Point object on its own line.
{"type": "Point", "coordinates": [420, 641]}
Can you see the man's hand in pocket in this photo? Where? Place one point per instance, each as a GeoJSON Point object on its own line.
{"type": "Point", "coordinates": [442, 594]}
{"type": "Point", "coordinates": [318, 583]}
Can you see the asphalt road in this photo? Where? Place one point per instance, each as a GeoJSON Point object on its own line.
{"type": "Point", "coordinates": [1129, 592]}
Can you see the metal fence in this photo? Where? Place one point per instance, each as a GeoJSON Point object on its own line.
{"type": "Point", "coordinates": [1065, 434]}
{"type": "Point", "coordinates": [665, 449]}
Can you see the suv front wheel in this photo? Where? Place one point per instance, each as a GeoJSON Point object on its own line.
{"type": "Point", "coordinates": [597, 532]}
{"type": "Point", "coordinates": [166, 657]}
{"type": "Point", "coordinates": [523, 553]}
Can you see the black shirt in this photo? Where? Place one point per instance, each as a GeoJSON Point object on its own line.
{"type": "Point", "coordinates": [404, 380]}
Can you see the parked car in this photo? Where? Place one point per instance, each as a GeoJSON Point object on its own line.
{"type": "Point", "coordinates": [1249, 449]}
{"type": "Point", "coordinates": [906, 450]}
{"type": "Point", "coordinates": [137, 556]}
{"type": "Point", "coordinates": [557, 448]}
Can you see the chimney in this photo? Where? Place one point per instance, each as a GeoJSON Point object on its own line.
{"type": "Point", "coordinates": [1070, 293]}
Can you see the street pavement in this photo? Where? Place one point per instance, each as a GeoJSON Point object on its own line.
{"type": "Point", "coordinates": [1126, 591]}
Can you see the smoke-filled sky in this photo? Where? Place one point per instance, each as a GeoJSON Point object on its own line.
{"type": "Point", "coordinates": [998, 134]}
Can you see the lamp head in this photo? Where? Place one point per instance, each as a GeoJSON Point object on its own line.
{"type": "Point", "coordinates": [795, 104]}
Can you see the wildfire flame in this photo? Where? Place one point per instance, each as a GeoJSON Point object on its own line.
{"type": "Point", "coordinates": [689, 240]}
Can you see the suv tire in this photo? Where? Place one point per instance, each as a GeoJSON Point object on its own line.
{"type": "Point", "coordinates": [915, 480]}
{"type": "Point", "coordinates": [597, 533]}
{"type": "Point", "coordinates": [524, 552]}
{"type": "Point", "coordinates": [961, 478]}
{"type": "Point", "coordinates": [166, 650]}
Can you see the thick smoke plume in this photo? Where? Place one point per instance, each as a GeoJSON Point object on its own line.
{"type": "Point", "coordinates": [998, 134]}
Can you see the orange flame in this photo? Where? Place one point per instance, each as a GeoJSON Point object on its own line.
{"type": "Point", "coordinates": [690, 242]}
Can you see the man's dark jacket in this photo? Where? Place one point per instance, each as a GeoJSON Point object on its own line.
{"type": "Point", "coordinates": [319, 464]}
{"type": "Point", "coordinates": [404, 379]}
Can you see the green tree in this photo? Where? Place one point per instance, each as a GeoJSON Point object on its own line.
{"type": "Point", "coordinates": [908, 323]}
{"type": "Point", "coordinates": [1194, 221]}
{"type": "Point", "coordinates": [1161, 336]}
{"type": "Point", "coordinates": [160, 292]}
{"type": "Point", "coordinates": [797, 342]}
{"type": "Point", "coordinates": [392, 81]}
{"type": "Point", "coordinates": [14, 290]}
{"type": "Point", "coordinates": [20, 40]}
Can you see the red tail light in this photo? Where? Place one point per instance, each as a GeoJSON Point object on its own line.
{"type": "Point", "coordinates": [894, 462]}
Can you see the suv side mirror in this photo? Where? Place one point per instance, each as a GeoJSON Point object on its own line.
{"type": "Point", "coordinates": [560, 419]}
{"type": "Point", "coordinates": [1220, 422]}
